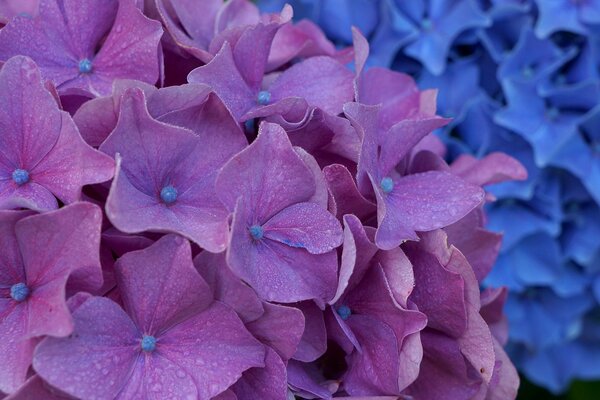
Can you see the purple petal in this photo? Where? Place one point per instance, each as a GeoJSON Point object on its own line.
{"type": "Point", "coordinates": [314, 339]}
{"type": "Point", "coordinates": [305, 226]}
{"type": "Point", "coordinates": [105, 343]}
{"type": "Point", "coordinates": [280, 328]}
{"type": "Point", "coordinates": [227, 287]}
{"type": "Point", "coordinates": [214, 348]}
{"type": "Point", "coordinates": [15, 350]}
{"type": "Point", "coordinates": [322, 81]}
{"type": "Point", "coordinates": [268, 175]}
{"type": "Point", "coordinates": [160, 285]}
{"type": "Point", "coordinates": [268, 383]}
{"type": "Point", "coordinates": [402, 211]}
{"type": "Point", "coordinates": [156, 156]}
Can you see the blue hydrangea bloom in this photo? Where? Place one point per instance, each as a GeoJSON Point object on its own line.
{"type": "Point", "coordinates": [522, 77]}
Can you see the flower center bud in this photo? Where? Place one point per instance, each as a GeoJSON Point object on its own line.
{"type": "Point", "coordinates": [168, 194]}
{"type": "Point", "coordinates": [85, 66]}
{"type": "Point", "coordinates": [20, 176]}
{"type": "Point", "coordinates": [344, 312]}
{"type": "Point", "coordinates": [256, 231]}
{"type": "Point", "coordinates": [148, 343]}
{"type": "Point", "coordinates": [387, 184]}
{"type": "Point", "coordinates": [264, 97]}
{"type": "Point", "coordinates": [19, 291]}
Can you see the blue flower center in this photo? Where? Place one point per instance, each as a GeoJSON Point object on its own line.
{"type": "Point", "coordinates": [20, 176]}
{"type": "Point", "coordinates": [527, 71]}
{"type": "Point", "coordinates": [387, 184]}
{"type": "Point", "coordinates": [256, 231]}
{"type": "Point", "coordinates": [19, 291]}
{"type": "Point", "coordinates": [264, 97]}
{"type": "Point", "coordinates": [426, 24]}
{"type": "Point", "coordinates": [552, 113]}
{"type": "Point", "coordinates": [85, 66]}
{"type": "Point", "coordinates": [344, 312]}
{"type": "Point", "coordinates": [168, 194]}
{"type": "Point", "coordinates": [148, 343]}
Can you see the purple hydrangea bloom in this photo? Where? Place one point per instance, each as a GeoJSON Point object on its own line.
{"type": "Point", "coordinates": [42, 154]}
{"type": "Point", "coordinates": [40, 254]}
{"type": "Point", "coordinates": [172, 192]}
{"type": "Point", "coordinates": [172, 339]}
{"type": "Point", "coordinates": [282, 238]}
{"type": "Point", "coordinates": [82, 49]}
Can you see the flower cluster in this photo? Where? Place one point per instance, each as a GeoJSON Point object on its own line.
{"type": "Point", "coordinates": [520, 76]}
{"type": "Point", "coordinates": [265, 223]}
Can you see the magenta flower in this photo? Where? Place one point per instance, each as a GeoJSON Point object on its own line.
{"type": "Point", "coordinates": [281, 242]}
{"type": "Point", "coordinates": [171, 341]}
{"type": "Point", "coordinates": [165, 175]}
{"type": "Point", "coordinates": [39, 254]}
{"type": "Point", "coordinates": [83, 48]}
{"type": "Point", "coordinates": [42, 154]}
{"type": "Point", "coordinates": [321, 82]}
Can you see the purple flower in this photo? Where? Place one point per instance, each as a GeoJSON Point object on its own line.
{"type": "Point", "coordinates": [12, 8]}
{"type": "Point", "coordinates": [83, 48]}
{"type": "Point", "coordinates": [406, 202]}
{"type": "Point", "coordinates": [172, 340]}
{"type": "Point", "coordinates": [282, 237]}
{"type": "Point", "coordinates": [165, 174]}
{"type": "Point", "coordinates": [42, 154]}
{"type": "Point", "coordinates": [39, 254]}
{"type": "Point", "coordinates": [236, 75]}
{"type": "Point", "coordinates": [374, 323]}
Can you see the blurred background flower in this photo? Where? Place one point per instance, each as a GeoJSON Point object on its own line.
{"type": "Point", "coordinates": [523, 77]}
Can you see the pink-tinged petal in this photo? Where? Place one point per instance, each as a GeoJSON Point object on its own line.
{"type": "Point", "coordinates": [268, 175]}
{"type": "Point", "coordinates": [236, 13]}
{"type": "Point", "coordinates": [345, 193]}
{"type": "Point", "coordinates": [97, 360]}
{"type": "Point", "coordinates": [304, 39]}
{"type": "Point", "coordinates": [36, 389]}
{"type": "Point", "coordinates": [29, 118]}
{"type": "Point", "coordinates": [132, 42]}
{"type": "Point", "coordinates": [425, 161]}
{"type": "Point", "coordinates": [447, 311]}
{"type": "Point", "coordinates": [279, 328]}
{"type": "Point", "coordinates": [227, 287]}
{"type": "Point", "coordinates": [214, 348]}
{"type": "Point", "coordinates": [314, 339]}
{"type": "Point", "coordinates": [493, 168]}
{"type": "Point", "coordinates": [357, 252]}
{"type": "Point", "coordinates": [15, 349]}
{"type": "Point", "coordinates": [306, 226]}
{"type": "Point", "coordinates": [60, 244]}
{"type": "Point", "coordinates": [268, 383]}
{"type": "Point", "coordinates": [223, 76]}
{"type": "Point", "coordinates": [375, 370]}
{"type": "Point", "coordinates": [156, 156]}
{"type": "Point", "coordinates": [402, 211]}
{"type": "Point", "coordinates": [72, 164]}
{"type": "Point", "coordinates": [322, 81]}
{"type": "Point", "coordinates": [160, 285]}
{"type": "Point", "coordinates": [398, 273]}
